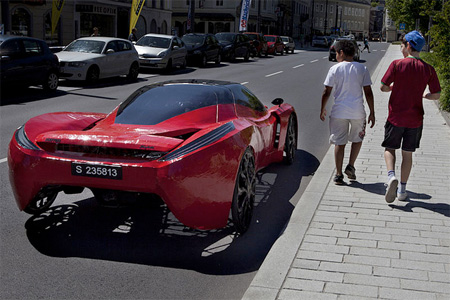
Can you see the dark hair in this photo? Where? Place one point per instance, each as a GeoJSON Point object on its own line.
{"type": "Point", "coordinates": [345, 45]}
{"type": "Point", "coordinates": [403, 39]}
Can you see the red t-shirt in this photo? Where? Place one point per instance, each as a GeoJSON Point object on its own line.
{"type": "Point", "coordinates": [410, 76]}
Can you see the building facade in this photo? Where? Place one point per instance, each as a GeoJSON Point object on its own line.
{"type": "Point", "coordinates": [79, 17]}
{"type": "Point", "coordinates": [341, 17]}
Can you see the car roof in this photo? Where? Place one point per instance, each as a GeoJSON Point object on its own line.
{"type": "Point", "coordinates": [102, 38]}
{"type": "Point", "coordinates": [160, 35]}
{"type": "Point", "coordinates": [9, 37]}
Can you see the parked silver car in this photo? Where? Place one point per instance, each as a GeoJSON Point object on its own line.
{"type": "Point", "coordinates": [161, 51]}
{"type": "Point", "coordinates": [289, 44]}
{"type": "Point", "coordinates": [93, 58]}
{"type": "Point", "coordinates": [320, 41]}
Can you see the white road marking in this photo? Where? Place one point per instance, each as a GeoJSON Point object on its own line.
{"type": "Point", "coordinates": [276, 73]}
{"type": "Point", "coordinates": [313, 61]}
{"type": "Point", "coordinates": [244, 83]}
{"type": "Point", "coordinates": [298, 66]}
{"type": "Point", "coordinates": [324, 57]}
{"type": "Point", "coordinates": [3, 160]}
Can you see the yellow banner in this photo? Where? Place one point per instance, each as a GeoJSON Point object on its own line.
{"type": "Point", "coordinates": [56, 12]}
{"type": "Point", "coordinates": [136, 7]}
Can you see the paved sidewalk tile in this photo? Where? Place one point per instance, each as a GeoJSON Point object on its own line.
{"type": "Point", "coordinates": [357, 246]}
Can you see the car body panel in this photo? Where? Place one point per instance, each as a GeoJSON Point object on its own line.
{"type": "Point", "coordinates": [201, 45]}
{"type": "Point", "coordinates": [215, 135]}
{"type": "Point", "coordinates": [25, 61]}
{"type": "Point", "coordinates": [275, 44]}
{"type": "Point", "coordinates": [319, 41]}
{"type": "Point", "coordinates": [113, 57]}
{"type": "Point", "coordinates": [259, 42]}
{"type": "Point", "coordinates": [161, 51]}
{"type": "Point", "coordinates": [234, 45]}
{"type": "Point", "coordinates": [289, 44]}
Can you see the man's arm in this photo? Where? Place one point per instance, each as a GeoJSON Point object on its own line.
{"type": "Point", "coordinates": [369, 98]}
{"type": "Point", "coordinates": [432, 96]}
{"type": "Point", "coordinates": [385, 88]}
{"type": "Point", "coordinates": [325, 96]}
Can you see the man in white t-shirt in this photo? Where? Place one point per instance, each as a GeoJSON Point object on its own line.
{"type": "Point", "coordinates": [348, 116]}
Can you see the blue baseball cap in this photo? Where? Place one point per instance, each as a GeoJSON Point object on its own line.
{"type": "Point", "coordinates": [415, 39]}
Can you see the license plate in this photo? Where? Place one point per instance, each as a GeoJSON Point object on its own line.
{"type": "Point", "coordinates": [98, 171]}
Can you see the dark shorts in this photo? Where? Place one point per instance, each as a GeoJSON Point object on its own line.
{"type": "Point", "coordinates": [408, 138]}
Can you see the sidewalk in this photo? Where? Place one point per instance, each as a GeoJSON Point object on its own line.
{"type": "Point", "coordinates": [346, 242]}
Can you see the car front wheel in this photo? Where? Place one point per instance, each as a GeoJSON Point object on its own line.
{"type": "Point", "coordinates": [52, 81]}
{"type": "Point", "coordinates": [244, 193]}
{"type": "Point", "coordinates": [93, 74]}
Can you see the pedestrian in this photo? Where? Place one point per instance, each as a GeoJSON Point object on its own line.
{"type": "Point", "coordinates": [132, 37]}
{"type": "Point", "coordinates": [95, 33]}
{"type": "Point", "coordinates": [348, 116]}
{"type": "Point", "coordinates": [366, 45]}
{"type": "Point", "coordinates": [406, 79]}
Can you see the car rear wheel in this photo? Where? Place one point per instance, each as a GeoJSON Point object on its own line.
{"type": "Point", "coordinates": [290, 144]}
{"type": "Point", "coordinates": [93, 74]}
{"type": "Point", "coordinates": [41, 202]}
{"type": "Point", "coordinates": [52, 81]}
{"type": "Point", "coordinates": [134, 71]}
{"type": "Point", "coordinates": [218, 59]}
{"type": "Point", "coordinates": [244, 193]}
{"type": "Point", "coordinates": [247, 55]}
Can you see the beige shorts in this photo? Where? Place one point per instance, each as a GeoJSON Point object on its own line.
{"type": "Point", "coordinates": [343, 131]}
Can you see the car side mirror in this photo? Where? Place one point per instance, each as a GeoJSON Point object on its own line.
{"type": "Point", "coordinates": [277, 101]}
{"type": "Point", "coordinates": [175, 47]}
{"type": "Point", "coordinates": [109, 51]}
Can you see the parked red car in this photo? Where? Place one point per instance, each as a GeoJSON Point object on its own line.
{"type": "Point", "coordinates": [258, 42]}
{"type": "Point", "coordinates": [275, 44]}
{"type": "Point", "coordinates": [181, 141]}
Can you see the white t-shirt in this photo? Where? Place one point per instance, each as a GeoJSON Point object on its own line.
{"type": "Point", "coordinates": [347, 80]}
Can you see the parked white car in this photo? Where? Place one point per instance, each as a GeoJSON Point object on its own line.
{"type": "Point", "coordinates": [161, 51]}
{"type": "Point", "coordinates": [289, 44]}
{"type": "Point", "coordinates": [93, 58]}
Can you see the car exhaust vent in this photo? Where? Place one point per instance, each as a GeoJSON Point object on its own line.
{"type": "Point", "coordinates": [95, 151]}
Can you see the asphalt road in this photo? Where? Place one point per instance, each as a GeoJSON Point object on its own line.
{"type": "Point", "coordinates": [80, 250]}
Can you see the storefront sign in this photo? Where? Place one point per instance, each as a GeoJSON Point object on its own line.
{"type": "Point", "coordinates": [96, 9]}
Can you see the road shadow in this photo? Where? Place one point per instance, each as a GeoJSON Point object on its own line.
{"type": "Point", "coordinates": [21, 95]}
{"type": "Point", "coordinates": [147, 233]}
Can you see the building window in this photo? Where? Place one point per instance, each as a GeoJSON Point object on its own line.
{"type": "Point", "coordinates": [219, 2]}
{"type": "Point", "coordinates": [161, 4]}
{"type": "Point", "coordinates": [48, 37]}
{"type": "Point", "coordinates": [21, 22]}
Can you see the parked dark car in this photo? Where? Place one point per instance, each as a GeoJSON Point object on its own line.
{"type": "Point", "coordinates": [258, 42]}
{"type": "Point", "coordinates": [234, 45]}
{"type": "Point", "coordinates": [332, 51]}
{"type": "Point", "coordinates": [27, 61]}
{"type": "Point", "coordinates": [201, 48]}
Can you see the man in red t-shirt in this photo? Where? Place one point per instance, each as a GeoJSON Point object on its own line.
{"type": "Point", "coordinates": [407, 79]}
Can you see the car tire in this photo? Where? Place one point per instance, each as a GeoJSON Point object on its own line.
{"type": "Point", "coordinates": [52, 81]}
{"type": "Point", "coordinates": [204, 61]}
{"type": "Point", "coordinates": [247, 56]}
{"type": "Point", "coordinates": [184, 64]}
{"type": "Point", "coordinates": [292, 51]}
{"type": "Point", "coordinates": [218, 59]}
{"type": "Point", "coordinates": [244, 193]}
{"type": "Point", "coordinates": [41, 202]}
{"type": "Point", "coordinates": [93, 74]}
{"type": "Point", "coordinates": [134, 71]}
{"type": "Point", "coordinates": [169, 66]}
{"type": "Point", "coordinates": [330, 58]}
{"type": "Point", "coordinates": [232, 56]}
{"type": "Point", "coordinates": [290, 143]}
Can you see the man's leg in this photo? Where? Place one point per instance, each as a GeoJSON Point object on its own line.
{"type": "Point", "coordinates": [389, 158]}
{"type": "Point", "coordinates": [339, 158]}
{"type": "Point", "coordinates": [356, 147]}
{"type": "Point", "coordinates": [391, 189]}
{"type": "Point", "coordinates": [406, 165]}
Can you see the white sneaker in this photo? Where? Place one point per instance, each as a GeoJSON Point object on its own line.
{"type": "Point", "coordinates": [402, 196]}
{"type": "Point", "coordinates": [391, 190]}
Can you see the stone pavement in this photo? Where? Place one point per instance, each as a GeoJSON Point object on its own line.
{"type": "Point", "coordinates": [346, 242]}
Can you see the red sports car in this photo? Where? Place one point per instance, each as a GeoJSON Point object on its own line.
{"type": "Point", "coordinates": [195, 144]}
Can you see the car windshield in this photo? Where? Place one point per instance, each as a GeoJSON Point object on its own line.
{"type": "Point", "coordinates": [87, 46]}
{"type": "Point", "coordinates": [154, 41]}
{"type": "Point", "coordinates": [225, 37]}
{"type": "Point", "coordinates": [270, 38]}
{"type": "Point", "coordinates": [285, 39]}
{"type": "Point", "coordinates": [193, 39]}
{"type": "Point", "coordinates": [252, 36]}
{"type": "Point", "coordinates": [153, 105]}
